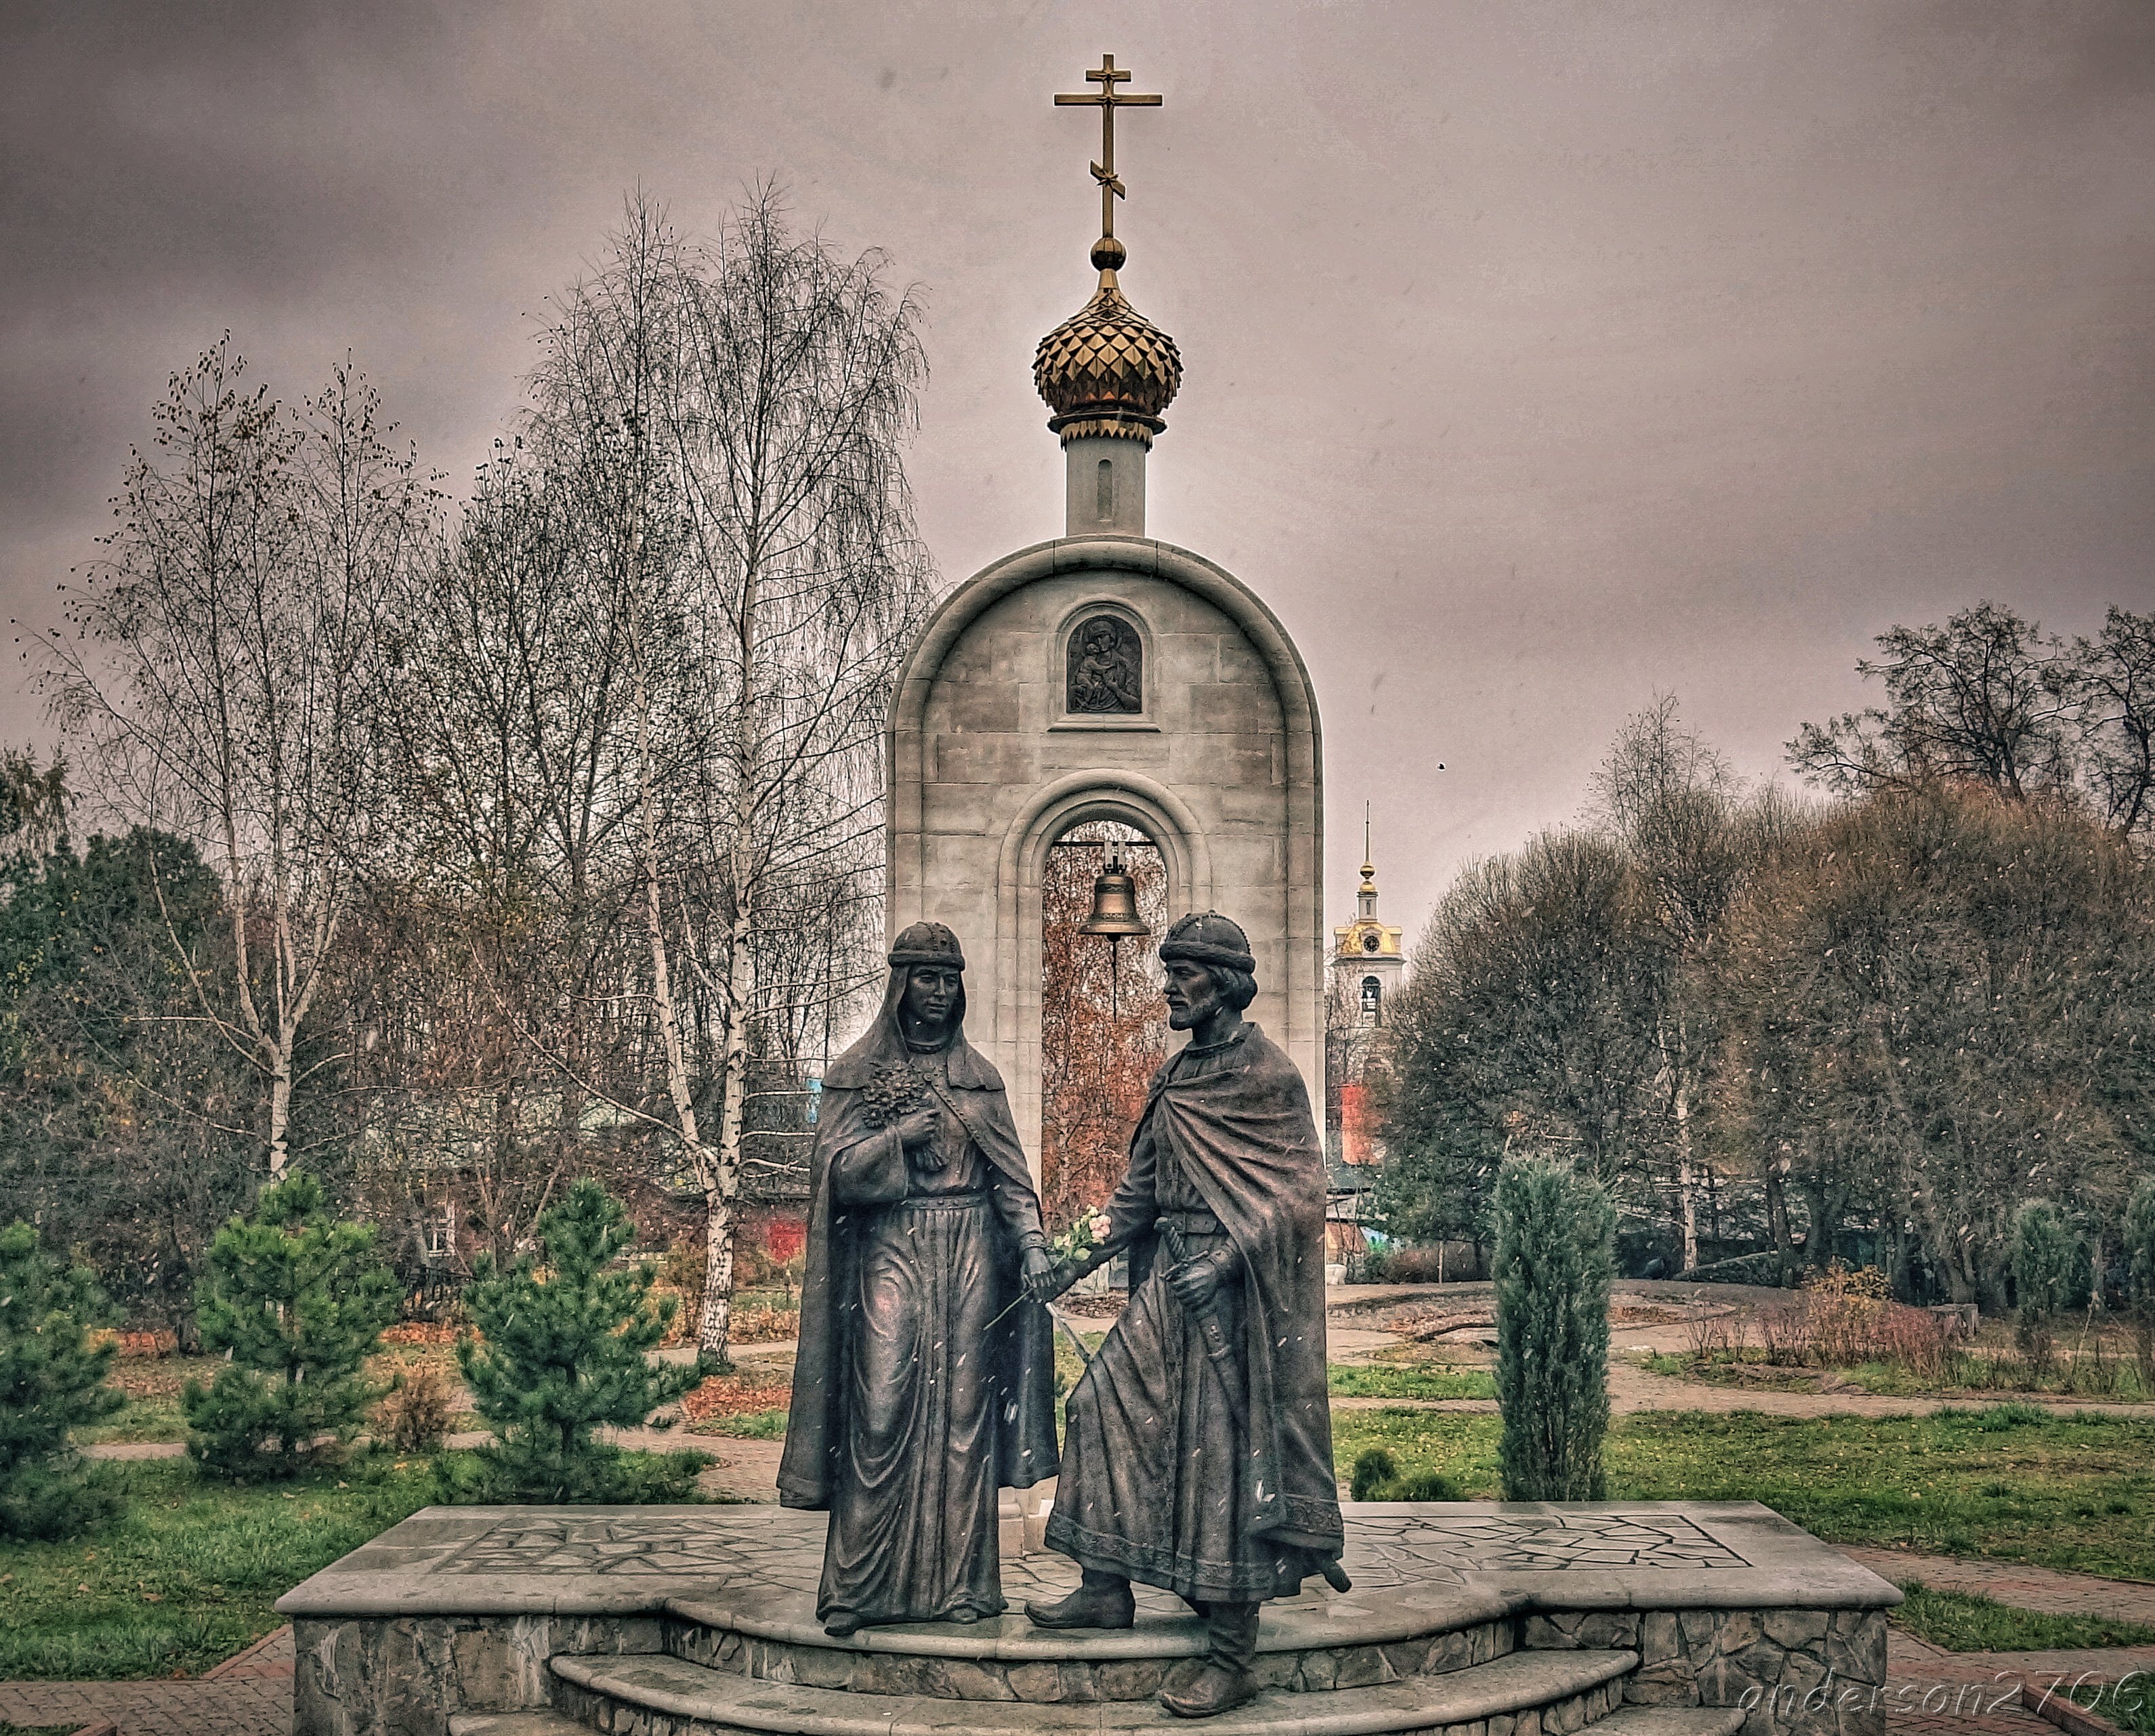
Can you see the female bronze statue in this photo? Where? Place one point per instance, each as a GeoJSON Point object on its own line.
{"type": "Point", "coordinates": [919, 1390]}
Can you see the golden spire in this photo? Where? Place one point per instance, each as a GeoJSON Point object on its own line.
{"type": "Point", "coordinates": [1107, 371]}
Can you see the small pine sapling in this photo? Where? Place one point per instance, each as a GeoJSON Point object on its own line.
{"type": "Point", "coordinates": [1376, 1478]}
{"type": "Point", "coordinates": [1553, 1268]}
{"type": "Point", "coordinates": [561, 1355]}
{"type": "Point", "coordinates": [299, 1303]}
{"type": "Point", "coordinates": [52, 1380]}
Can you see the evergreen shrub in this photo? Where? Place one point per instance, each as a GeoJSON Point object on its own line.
{"type": "Point", "coordinates": [560, 1354]}
{"type": "Point", "coordinates": [1553, 1269]}
{"type": "Point", "coordinates": [2050, 1275]}
{"type": "Point", "coordinates": [1376, 1478]}
{"type": "Point", "coordinates": [298, 1302]}
{"type": "Point", "coordinates": [2140, 1277]}
{"type": "Point", "coordinates": [51, 1380]}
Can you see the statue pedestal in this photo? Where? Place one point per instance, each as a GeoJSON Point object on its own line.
{"type": "Point", "coordinates": [1467, 1618]}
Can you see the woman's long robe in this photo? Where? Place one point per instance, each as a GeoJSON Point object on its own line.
{"type": "Point", "coordinates": [909, 1407]}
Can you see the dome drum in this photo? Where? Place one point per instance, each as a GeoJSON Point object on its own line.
{"type": "Point", "coordinates": [1106, 424]}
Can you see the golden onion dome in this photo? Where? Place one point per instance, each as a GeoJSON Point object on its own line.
{"type": "Point", "coordinates": [1107, 369]}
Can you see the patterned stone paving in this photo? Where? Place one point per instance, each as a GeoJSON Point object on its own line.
{"type": "Point", "coordinates": [1388, 1549]}
{"type": "Point", "coordinates": [715, 1548]}
{"type": "Point", "coordinates": [1383, 1550]}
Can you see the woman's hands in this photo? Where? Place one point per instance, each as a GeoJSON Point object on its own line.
{"type": "Point", "coordinates": [917, 1134]}
{"type": "Point", "coordinates": [1042, 1276]}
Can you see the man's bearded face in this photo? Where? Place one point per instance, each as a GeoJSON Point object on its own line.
{"type": "Point", "coordinates": [1192, 996]}
{"type": "Point", "coordinates": [931, 993]}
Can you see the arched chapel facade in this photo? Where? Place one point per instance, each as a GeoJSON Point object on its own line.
{"type": "Point", "coordinates": [1002, 741]}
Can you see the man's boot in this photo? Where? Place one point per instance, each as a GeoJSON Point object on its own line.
{"type": "Point", "coordinates": [1223, 1680]}
{"type": "Point", "coordinates": [1102, 1599]}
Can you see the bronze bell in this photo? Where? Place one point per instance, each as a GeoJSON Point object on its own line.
{"type": "Point", "coordinates": [1114, 919]}
{"type": "Point", "coordinates": [1115, 907]}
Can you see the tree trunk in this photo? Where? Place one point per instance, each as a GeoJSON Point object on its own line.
{"type": "Point", "coordinates": [1777, 1216]}
{"type": "Point", "coordinates": [1674, 1068]}
{"type": "Point", "coordinates": [712, 1331]}
{"type": "Point", "coordinates": [714, 1328]}
{"type": "Point", "coordinates": [1687, 1182]}
{"type": "Point", "coordinates": [280, 1107]}
{"type": "Point", "coordinates": [1948, 1252]}
{"type": "Point", "coordinates": [746, 755]}
{"type": "Point", "coordinates": [679, 1090]}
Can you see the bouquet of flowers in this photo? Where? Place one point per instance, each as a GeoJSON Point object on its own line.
{"type": "Point", "coordinates": [891, 1093]}
{"type": "Point", "coordinates": [1084, 1234]}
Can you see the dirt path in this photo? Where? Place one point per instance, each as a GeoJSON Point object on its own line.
{"type": "Point", "coordinates": [1355, 1338]}
{"type": "Point", "coordinates": [1632, 1388]}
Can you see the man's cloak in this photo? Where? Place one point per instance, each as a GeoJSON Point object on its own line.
{"type": "Point", "coordinates": [1245, 1138]}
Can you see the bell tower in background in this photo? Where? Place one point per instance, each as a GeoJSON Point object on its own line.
{"type": "Point", "coordinates": [1368, 967]}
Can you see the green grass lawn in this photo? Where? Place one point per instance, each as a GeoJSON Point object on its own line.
{"type": "Point", "coordinates": [152, 1392]}
{"type": "Point", "coordinates": [1422, 1381]}
{"type": "Point", "coordinates": [2132, 1709]}
{"type": "Point", "coordinates": [185, 1575]}
{"type": "Point", "coordinates": [1968, 1621]}
{"type": "Point", "coordinates": [2073, 1493]}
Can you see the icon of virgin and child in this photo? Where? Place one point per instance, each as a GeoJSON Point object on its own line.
{"type": "Point", "coordinates": [1196, 1454]}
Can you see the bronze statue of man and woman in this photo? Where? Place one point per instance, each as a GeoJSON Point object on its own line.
{"type": "Point", "coordinates": [1197, 1455]}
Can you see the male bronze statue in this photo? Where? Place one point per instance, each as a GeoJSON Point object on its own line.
{"type": "Point", "coordinates": [1198, 1451]}
{"type": "Point", "coordinates": [918, 1388]}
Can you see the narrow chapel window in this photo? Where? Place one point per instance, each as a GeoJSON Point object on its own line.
{"type": "Point", "coordinates": [1373, 996]}
{"type": "Point", "coordinates": [1104, 506]}
{"type": "Point", "coordinates": [1107, 668]}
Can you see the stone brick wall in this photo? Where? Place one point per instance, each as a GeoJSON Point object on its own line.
{"type": "Point", "coordinates": [1798, 1672]}
{"type": "Point", "coordinates": [390, 1676]}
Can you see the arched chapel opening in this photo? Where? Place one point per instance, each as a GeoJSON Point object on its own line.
{"type": "Point", "coordinates": [1102, 1025]}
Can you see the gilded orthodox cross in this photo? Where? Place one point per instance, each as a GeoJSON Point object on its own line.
{"type": "Point", "coordinates": [1107, 76]}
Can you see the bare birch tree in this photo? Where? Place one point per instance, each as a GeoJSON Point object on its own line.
{"type": "Point", "coordinates": [710, 481]}
{"type": "Point", "coordinates": [1671, 799]}
{"type": "Point", "coordinates": [219, 673]}
{"type": "Point", "coordinates": [802, 370]}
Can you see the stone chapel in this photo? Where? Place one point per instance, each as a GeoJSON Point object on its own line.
{"type": "Point", "coordinates": [1106, 676]}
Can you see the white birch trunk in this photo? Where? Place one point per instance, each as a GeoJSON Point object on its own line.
{"type": "Point", "coordinates": [280, 1109]}
{"type": "Point", "coordinates": [741, 860]}
{"type": "Point", "coordinates": [1686, 1181]}
{"type": "Point", "coordinates": [714, 1329]}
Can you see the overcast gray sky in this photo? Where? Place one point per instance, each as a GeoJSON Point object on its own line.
{"type": "Point", "coordinates": [1540, 356]}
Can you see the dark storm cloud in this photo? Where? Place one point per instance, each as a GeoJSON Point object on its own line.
{"type": "Point", "coordinates": [1540, 356]}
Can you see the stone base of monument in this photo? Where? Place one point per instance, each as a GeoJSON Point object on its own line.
{"type": "Point", "coordinates": [1466, 1618]}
